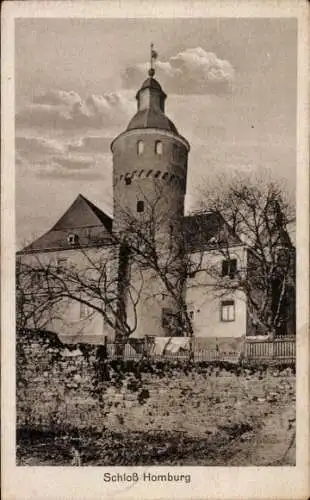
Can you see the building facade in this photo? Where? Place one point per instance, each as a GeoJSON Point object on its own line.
{"type": "Point", "coordinates": [138, 259]}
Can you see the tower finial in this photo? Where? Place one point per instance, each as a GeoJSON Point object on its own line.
{"type": "Point", "coordinates": [153, 57]}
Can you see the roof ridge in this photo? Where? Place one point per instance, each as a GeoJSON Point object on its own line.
{"type": "Point", "coordinates": [94, 207]}
{"type": "Point", "coordinates": [80, 215]}
{"type": "Point", "coordinates": [102, 217]}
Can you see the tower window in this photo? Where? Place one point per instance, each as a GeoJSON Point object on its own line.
{"type": "Point", "coordinates": [140, 148]}
{"type": "Point", "coordinates": [229, 267]}
{"type": "Point", "coordinates": [140, 206]}
{"type": "Point", "coordinates": [178, 154]}
{"type": "Point", "coordinates": [228, 310]}
{"type": "Point", "coordinates": [127, 181]}
{"type": "Point", "coordinates": [158, 147]}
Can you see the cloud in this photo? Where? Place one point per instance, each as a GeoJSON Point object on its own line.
{"type": "Point", "coordinates": [91, 144]}
{"type": "Point", "coordinates": [59, 109]}
{"type": "Point", "coordinates": [57, 97]}
{"type": "Point", "coordinates": [47, 157]}
{"type": "Point", "coordinates": [38, 145]}
{"type": "Point", "coordinates": [74, 163]}
{"type": "Point", "coordinates": [71, 167]}
{"type": "Point", "coordinates": [54, 173]}
{"type": "Point", "coordinates": [193, 71]}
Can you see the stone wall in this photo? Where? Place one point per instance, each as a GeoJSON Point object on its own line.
{"type": "Point", "coordinates": [65, 386]}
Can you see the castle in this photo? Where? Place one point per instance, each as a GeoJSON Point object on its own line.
{"type": "Point", "coordinates": [150, 161]}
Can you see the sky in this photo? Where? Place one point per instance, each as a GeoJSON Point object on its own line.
{"type": "Point", "coordinates": [231, 86]}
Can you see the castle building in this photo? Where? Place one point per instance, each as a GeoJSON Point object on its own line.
{"type": "Point", "coordinates": [150, 161]}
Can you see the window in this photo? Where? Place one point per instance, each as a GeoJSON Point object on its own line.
{"type": "Point", "coordinates": [140, 148]}
{"type": "Point", "coordinates": [178, 154]}
{"type": "Point", "coordinates": [175, 153]}
{"type": "Point", "coordinates": [167, 318]}
{"type": "Point", "coordinates": [72, 239]}
{"type": "Point", "coordinates": [158, 147]}
{"type": "Point", "coordinates": [171, 322]}
{"type": "Point", "coordinates": [84, 310]}
{"type": "Point", "coordinates": [61, 262]}
{"type": "Point", "coordinates": [127, 181]}
{"type": "Point", "coordinates": [229, 267]}
{"type": "Point", "coordinates": [37, 277]}
{"type": "Point", "coordinates": [227, 310]}
{"type": "Point", "coordinates": [140, 206]}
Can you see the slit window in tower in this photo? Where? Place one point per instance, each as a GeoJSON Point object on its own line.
{"type": "Point", "coordinates": [158, 147]}
{"type": "Point", "coordinates": [140, 206]}
{"type": "Point", "coordinates": [127, 181]}
{"type": "Point", "coordinates": [140, 148]}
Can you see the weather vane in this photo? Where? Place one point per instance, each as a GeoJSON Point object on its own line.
{"type": "Point", "coordinates": [153, 58]}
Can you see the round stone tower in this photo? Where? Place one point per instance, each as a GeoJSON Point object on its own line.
{"type": "Point", "coordinates": [149, 182]}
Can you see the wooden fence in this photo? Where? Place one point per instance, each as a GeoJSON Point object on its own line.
{"type": "Point", "coordinates": [271, 349]}
{"type": "Point", "coordinates": [278, 350]}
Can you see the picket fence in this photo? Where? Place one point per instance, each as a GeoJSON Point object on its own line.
{"type": "Point", "coordinates": [276, 349]}
{"type": "Point", "coordinates": [279, 350]}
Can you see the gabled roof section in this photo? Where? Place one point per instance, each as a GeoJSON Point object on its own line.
{"type": "Point", "coordinates": [82, 225]}
{"type": "Point", "coordinates": [208, 231]}
{"type": "Point", "coordinates": [83, 213]}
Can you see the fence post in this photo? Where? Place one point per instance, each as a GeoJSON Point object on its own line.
{"type": "Point", "coordinates": [273, 353]}
{"type": "Point", "coordinates": [191, 349]}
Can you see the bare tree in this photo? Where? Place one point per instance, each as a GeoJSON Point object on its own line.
{"type": "Point", "coordinates": [102, 280]}
{"type": "Point", "coordinates": [259, 215]}
{"type": "Point", "coordinates": [44, 287]}
{"type": "Point", "coordinates": [158, 242]}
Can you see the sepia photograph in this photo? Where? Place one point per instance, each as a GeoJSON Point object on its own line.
{"type": "Point", "coordinates": [155, 244]}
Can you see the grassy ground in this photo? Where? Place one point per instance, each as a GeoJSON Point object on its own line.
{"type": "Point", "coordinates": [218, 419]}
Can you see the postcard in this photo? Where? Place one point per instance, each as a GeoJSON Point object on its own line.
{"type": "Point", "coordinates": [155, 250]}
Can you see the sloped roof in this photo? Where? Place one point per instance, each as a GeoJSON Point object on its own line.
{"type": "Point", "coordinates": [94, 228]}
{"type": "Point", "coordinates": [83, 213]}
{"type": "Point", "coordinates": [83, 219]}
{"type": "Point", "coordinates": [152, 83]}
{"type": "Point", "coordinates": [152, 118]}
{"type": "Point", "coordinates": [207, 231]}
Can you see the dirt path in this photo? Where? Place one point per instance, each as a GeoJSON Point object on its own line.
{"type": "Point", "coordinates": [272, 445]}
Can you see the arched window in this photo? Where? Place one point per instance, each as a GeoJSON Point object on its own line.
{"type": "Point", "coordinates": [158, 147]}
{"type": "Point", "coordinates": [140, 147]}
